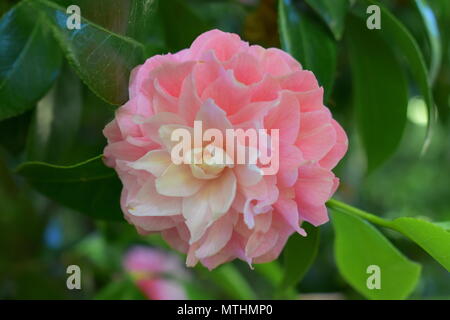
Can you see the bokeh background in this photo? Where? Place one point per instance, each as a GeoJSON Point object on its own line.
{"type": "Point", "coordinates": [39, 238]}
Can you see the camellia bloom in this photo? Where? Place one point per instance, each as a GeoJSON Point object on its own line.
{"type": "Point", "coordinates": [213, 212]}
{"type": "Point", "coordinates": [156, 273]}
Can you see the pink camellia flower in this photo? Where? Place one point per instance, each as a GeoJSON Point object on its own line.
{"type": "Point", "coordinates": [215, 212]}
{"type": "Point", "coordinates": [156, 273]}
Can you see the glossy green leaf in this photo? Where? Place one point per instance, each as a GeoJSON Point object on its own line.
{"type": "Point", "coordinates": [380, 92]}
{"type": "Point", "coordinates": [309, 42]}
{"type": "Point", "coordinates": [433, 238]}
{"type": "Point", "coordinates": [441, 88]}
{"type": "Point", "coordinates": [359, 245]}
{"type": "Point", "coordinates": [405, 45]}
{"type": "Point", "coordinates": [103, 59]}
{"type": "Point", "coordinates": [434, 37]}
{"type": "Point", "coordinates": [29, 60]}
{"type": "Point", "coordinates": [56, 121]}
{"type": "Point", "coordinates": [137, 19]}
{"type": "Point", "coordinates": [89, 187]}
{"type": "Point", "coordinates": [299, 254]}
{"type": "Point", "coordinates": [181, 23]}
{"type": "Point", "coordinates": [333, 12]}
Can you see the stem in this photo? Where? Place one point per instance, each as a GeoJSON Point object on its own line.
{"type": "Point", "coordinates": [343, 207]}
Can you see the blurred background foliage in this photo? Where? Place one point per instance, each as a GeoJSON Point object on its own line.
{"type": "Point", "coordinates": [389, 88]}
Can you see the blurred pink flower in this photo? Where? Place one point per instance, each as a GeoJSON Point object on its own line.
{"type": "Point", "coordinates": [157, 273]}
{"type": "Point", "coordinates": [216, 213]}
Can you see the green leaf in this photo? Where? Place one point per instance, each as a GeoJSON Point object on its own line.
{"type": "Point", "coordinates": [13, 132]}
{"type": "Point", "coordinates": [272, 271]}
{"type": "Point", "coordinates": [434, 37]}
{"type": "Point", "coordinates": [433, 238]}
{"type": "Point", "coordinates": [89, 187]}
{"type": "Point", "coordinates": [359, 245]}
{"type": "Point", "coordinates": [103, 59]}
{"type": "Point", "coordinates": [56, 121]}
{"type": "Point", "coordinates": [445, 225]}
{"type": "Point", "coordinates": [137, 19]}
{"type": "Point", "coordinates": [308, 42]}
{"type": "Point", "coordinates": [223, 15]}
{"type": "Point", "coordinates": [299, 254]}
{"type": "Point", "coordinates": [121, 289]}
{"type": "Point", "coordinates": [401, 39]}
{"type": "Point", "coordinates": [228, 278]}
{"type": "Point", "coordinates": [380, 92]}
{"type": "Point", "coordinates": [333, 12]}
{"type": "Point", "coordinates": [181, 24]}
{"type": "Point", "coordinates": [29, 60]}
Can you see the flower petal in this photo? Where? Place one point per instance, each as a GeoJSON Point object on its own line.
{"type": "Point", "coordinates": [222, 192]}
{"type": "Point", "coordinates": [216, 238]}
{"type": "Point", "coordinates": [198, 214]}
{"type": "Point", "coordinates": [178, 181]}
{"type": "Point", "coordinates": [148, 202]}
{"type": "Point", "coordinates": [155, 162]}
{"type": "Point", "coordinates": [227, 93]}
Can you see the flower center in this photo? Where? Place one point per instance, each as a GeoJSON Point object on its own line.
{"type": "Point", "coordinates": [210, 160]}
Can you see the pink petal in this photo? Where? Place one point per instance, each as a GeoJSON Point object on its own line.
{"type": "Point", "coordinates": [161, 289]}
{"type": "Point", "coordinates": [317, 135]}
{"type": "Point", "coordinates": [151, 224]}
{"type": "Point", "coordinates": [278, 63]}
{"type": "Point", "coordinates": [112, 132]}
{"type": "Point", "coordinates": [314, 185]}
{"type": "Point", "coordinates": [253, 112]}
{"type": "Point", "coordinates": [245, 68]}
{"type": "Point", "coordinates": [212, 117]}
{"type": "Point", "coordinates": [285, 118]}
{"type": "Point", "coordinates": [189, 101]}
{"type": "Point", "coordinates": [173, 238]}
{"type": "Point", "coordinates": [224, 44]}
{"type": "Point", "coordinates": [216, 238]}
{"type": "Point", "coordinates": [265, 90]}
{"type": "Point", "coordinates": [152, 125]}
{"type": "Point", "coordinates": [227, 93]}
{"type": "Point", "coordinates": [247, 175]}
{"type": "Point", "coordinates": [123, 150]}
{"type": "Point", "coordinates": [310, 100]}
{"type": "Point", "coordinates": [148, 202]}
{"type": "Point", "coordinates": [172, 75]}
{"type": "Point", "coordinates": [141, 73]}
{"type": "Point", "coordinates": [300, 81]}
{"type": "Point", "coordinates": [260, 243]}
{"type": "Point", "coordinates": [275, 251]}
{"type": "Point", "coordinates": [291, 158]}
{"type": "Point", "coordinates": [316, 215]}
{"type": "Point", "coordinates": [330, 160]}
{"type": "Point", "coordinates": [206, 71]}
{"type": "Point", "coordinates": [289, 211]}
{"type": "Point", "coordinates": [313, 188]}
{"type": "Point", "coordinates": [161, 100]}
